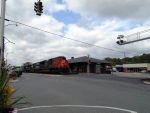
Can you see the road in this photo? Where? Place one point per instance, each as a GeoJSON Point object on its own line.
{"type": "Point", "coordinates": [83, 94]}
{"type": "Point", "coordinates": [132, 75]}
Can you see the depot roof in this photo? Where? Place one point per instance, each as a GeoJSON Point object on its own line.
{"type": "Point", "coordinates": [86, 59]}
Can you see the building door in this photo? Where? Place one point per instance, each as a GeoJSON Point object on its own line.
{"type": "Point", "coordinates": [98, 68]}
{"type": "Point", "coordinates": [88, 68]}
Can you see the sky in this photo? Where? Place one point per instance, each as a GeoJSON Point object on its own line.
{"type": "Point", "coordinates": [97, 22]}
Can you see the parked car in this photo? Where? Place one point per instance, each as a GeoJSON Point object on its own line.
{"type": "Point", "coordinates": [113, 69]}
{"type": "Point", "coordinates": [17, 70]}
{"type": "Point", "coordinates": [143, 71]}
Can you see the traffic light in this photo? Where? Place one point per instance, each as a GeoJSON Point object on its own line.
{"type": "Point", "coordinates": [120, 36]}
{"type": "Point", "coordinates": [120, 42]}
{"type": "Point", "coordinates": [38, 8]}
{"type": "Point", "coordinates": [89, 61]}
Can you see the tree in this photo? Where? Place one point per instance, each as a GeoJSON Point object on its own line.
{"type": "Point", "coordinates": [145, 58]}
{"type": "Point", "coordinates": [27, 63]}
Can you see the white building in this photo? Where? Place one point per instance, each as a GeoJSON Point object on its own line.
{"type": "Point", "coordinates": [136, 67]}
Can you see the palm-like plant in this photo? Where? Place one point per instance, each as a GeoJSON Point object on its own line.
{"type": "Point", "coordinates": [6, 92]}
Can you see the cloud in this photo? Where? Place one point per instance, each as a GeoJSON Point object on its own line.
{"type": "Point", "coordinates": [100, 23]}
{"type": "Point", "coordinates": [55, 7]}
{"type": "Point", "coordinates": [128, 9]}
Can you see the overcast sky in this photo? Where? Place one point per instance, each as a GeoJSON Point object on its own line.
{"type": "Point", "coordinates": [97, 22]}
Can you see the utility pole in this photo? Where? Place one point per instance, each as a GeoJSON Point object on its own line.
{"type": "Point", "coordinates": [125, 57]}
{"type": "Point", "coordinates": [3, 4]}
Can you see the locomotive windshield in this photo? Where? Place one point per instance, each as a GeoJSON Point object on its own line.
{"type": "Point", "coordinates": [61, 58]}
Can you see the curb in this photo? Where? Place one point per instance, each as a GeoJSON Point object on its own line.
{"type": "Point", "coordinates": [52, 75]}
{"type": "Point", "coordinates": [12, 81]}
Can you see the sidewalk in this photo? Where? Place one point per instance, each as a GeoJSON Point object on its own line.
{"type": "Point", "coordinates": [11, 80]}
{"type": "Point", "coordinates": [132, 75]}
{"type": "Point", "coordinates": [21, 78]}
{"type": "Point", "coordinates": [145, 77]}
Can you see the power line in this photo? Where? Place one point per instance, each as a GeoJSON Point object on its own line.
{"type": "Point", "coordinates": [66, 37]}
{"type": "Point", "coordinates": [27, 21]}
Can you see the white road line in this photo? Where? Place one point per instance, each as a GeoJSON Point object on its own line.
{"type": "Point", "coordinates": [51, 75]}
{"type": "Point", "coordinates": [106, 107]}
{"type": "Point", "coordinates": [26, 78]}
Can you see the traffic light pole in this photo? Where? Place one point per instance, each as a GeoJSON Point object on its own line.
{"type": "Point", "coordinates": [134, 41]}
{"type": "Point", "coordinates": [3, 4]}
{"type": "Point", "coordinates": [123, 42]}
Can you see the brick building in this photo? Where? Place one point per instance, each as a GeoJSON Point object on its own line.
{"type": "Point", "coordinates": [80, 65]}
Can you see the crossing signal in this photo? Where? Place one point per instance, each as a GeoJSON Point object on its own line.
{"type": "Point", "coordinates": [89, 62]}
{"type": "Point", "coordinates": [38, 8]}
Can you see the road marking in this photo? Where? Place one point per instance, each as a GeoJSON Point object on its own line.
{"type": "Point", "coordinates": [26, 78]}
{"type": "Point", "coordinates": [51, 75]}
{"type": "Point", "coordinates": [106, 107]}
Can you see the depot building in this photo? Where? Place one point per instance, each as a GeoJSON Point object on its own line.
{"type": "Point", "coordinates": [136, 67]}
{"type": "Point", "coordinates": [82, 65]}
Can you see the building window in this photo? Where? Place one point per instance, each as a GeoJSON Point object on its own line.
{"type": "Point", "coordinates": [74, 68]}
{"type": "Point", "coordinates": [80, 67]}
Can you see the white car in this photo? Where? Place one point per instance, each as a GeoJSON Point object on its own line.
{"type": "Point", "coordinates": [143, 71]}
{"type": "Point", "coordinates": [18, 71]}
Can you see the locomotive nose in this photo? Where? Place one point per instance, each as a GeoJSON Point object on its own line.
{"type": "Point", "coordinates": [64, 64]}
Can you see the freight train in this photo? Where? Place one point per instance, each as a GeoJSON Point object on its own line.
{"type": "Point", "coordinates": [54, 65]}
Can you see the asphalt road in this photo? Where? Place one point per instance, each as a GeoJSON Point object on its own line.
{"type": "Point", "coordinates": [83, 94]}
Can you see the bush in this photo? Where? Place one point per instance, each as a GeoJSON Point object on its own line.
{"type": "Point", "coordinates": [6, 92]}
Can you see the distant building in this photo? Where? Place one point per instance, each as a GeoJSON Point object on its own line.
{"type": "Point", "coordinates": [80, 65]}
{"type": "Point", "coordinates": [136, 67]}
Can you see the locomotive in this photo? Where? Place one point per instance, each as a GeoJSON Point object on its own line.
{"type": "Point", "coordinates": [55, 65]}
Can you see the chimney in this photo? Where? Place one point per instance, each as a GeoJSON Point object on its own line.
{"type": "Point", "coordinates": [72, 57]}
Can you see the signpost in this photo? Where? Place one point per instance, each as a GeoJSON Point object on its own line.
{"type": "Point", "coordinates": [88, 66]}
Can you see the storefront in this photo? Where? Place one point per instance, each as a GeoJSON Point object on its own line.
{"type": "Point", "coordinates": [136, 67]}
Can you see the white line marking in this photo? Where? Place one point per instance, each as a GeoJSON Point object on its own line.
{"type": "Point", "coordinates": [35, 107]}
{"type": "Point", "coordinates": [26, 78]}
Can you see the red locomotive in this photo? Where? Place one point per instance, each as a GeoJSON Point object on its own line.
{"type": "Point", "coordinates": [54, 65]}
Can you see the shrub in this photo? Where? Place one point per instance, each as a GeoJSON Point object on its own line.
{"type": "Point", "coordinates": [6, 92]}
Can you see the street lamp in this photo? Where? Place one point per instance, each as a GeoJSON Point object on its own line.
{"type": "Point", "coordinates": [10, 24]}
{"type": "Point", "coordinates": [3, 45]}
{"type": "Point", "coordinates": [6, 57]}
{"type": "Point", "coordinates": [9, 42]}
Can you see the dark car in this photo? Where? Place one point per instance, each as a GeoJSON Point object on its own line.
{"type": "Point", "coordinates": [17, 70]}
